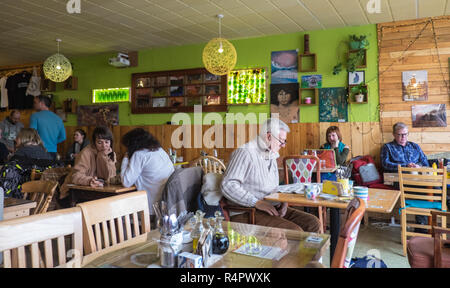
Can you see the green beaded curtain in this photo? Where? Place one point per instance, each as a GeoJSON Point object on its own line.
{"type": "Point", "coordinates": [247, 86]}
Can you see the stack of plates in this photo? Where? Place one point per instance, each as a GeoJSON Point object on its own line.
{"type": "Point", "coordinates": [361, 192]}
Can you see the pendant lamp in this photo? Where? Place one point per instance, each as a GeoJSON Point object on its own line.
{"type": "Point", "coordinates": [57, 67]}
{"type": "Point", "coordinates": [219, 55]}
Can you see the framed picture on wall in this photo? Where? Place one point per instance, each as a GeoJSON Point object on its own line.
{"type": "Point", "coordinates": [355, 78]}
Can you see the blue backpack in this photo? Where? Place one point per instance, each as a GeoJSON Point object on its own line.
{"type": "Point", "coordinates": [368, 261]}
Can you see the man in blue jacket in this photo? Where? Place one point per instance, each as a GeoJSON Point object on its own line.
{"type": "Point", "coordinates": [48, 125]}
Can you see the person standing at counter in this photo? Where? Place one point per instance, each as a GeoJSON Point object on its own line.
{"type": "Point", "coordinates": [49, 125]}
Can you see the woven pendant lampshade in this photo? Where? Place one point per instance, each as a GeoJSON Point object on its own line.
{"type": "Point", "coordinates": [57, 68]}
{"type": "Point", "coordinates": [219, 55]}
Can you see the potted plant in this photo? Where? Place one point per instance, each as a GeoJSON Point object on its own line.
{"type": "Point", "coordinates": [354, 60]}
{"type": "Point", "coordinates": [359, 91]}
{"type": "Point", "coordinates": [358, 42]}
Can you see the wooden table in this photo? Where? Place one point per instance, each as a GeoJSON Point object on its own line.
{"type": "Point", "coordinates": [15, 208]}
{"type": "Point", "coordinates": [80, 193]}
{"type": "Point", "coordinates": [299, 252]}
{"type": "Point", "coordinates": [381, 201]}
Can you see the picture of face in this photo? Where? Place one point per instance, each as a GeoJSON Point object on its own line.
{"type": "Point", "coordinates": [284, 97]}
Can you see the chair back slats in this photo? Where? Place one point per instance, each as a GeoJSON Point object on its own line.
{"type": "Point", "coordinates": [113, 220]}
{"type": "Point", "coordinates": [48, 251]}
{"type": "Point", "coordinates": [21, 239]}
{"type": "Point", "coordinates": [21, 257]}
{"type": "Point", "coordinates": [35, 255]}
{"type": "Point", "coordinates": [40, 192]}
{"type": "Point", "coordinates": [209, 164]}
{"type": "Point", "coordinates": [421, 184]}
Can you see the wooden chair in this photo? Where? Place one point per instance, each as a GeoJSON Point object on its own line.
{"type": "Point", "coordinates": [41, 192]}
{"type": "Point", "coordinates": [21, 235]}
{"type": "Point", "coordinates": [109, 221]}
{"type": "Point", "coordinates": [348, 234]}
{"type": "Point", "coordinates": [35, 174]}
{"type": "Point", "coordinates": [425, 252]}
{"type": "Point", "coordinates": [211, 164]}
{"type": "Point", "coordinates": [301, 168]}
{"type": "Point", "coordinates": [421, 194]}
{"type": "Point", "coordinates": [58, 175]}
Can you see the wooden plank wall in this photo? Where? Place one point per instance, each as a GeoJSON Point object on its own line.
{"type": "Point", "coordinates": [362, 138]}
{"type": "Point", "coordinates": [393, 39]}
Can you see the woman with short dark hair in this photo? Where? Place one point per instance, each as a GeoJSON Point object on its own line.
{"type": "Point", "coordinates": [96, 163]}
{"type": "Point", "coordinates": [334, 138]}
{"type": "Point", "coordinates": [145, 165]}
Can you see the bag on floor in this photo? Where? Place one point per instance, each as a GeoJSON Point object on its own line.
{"type": "Point", "coordinates": [368, 261]}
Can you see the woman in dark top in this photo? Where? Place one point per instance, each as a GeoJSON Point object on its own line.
{"type": "Point", "coordinates": [334, 138]}
{"type": "Point", "coordinates": [79, 142]}
{"type": "Point", "coordinates": [29, 145]}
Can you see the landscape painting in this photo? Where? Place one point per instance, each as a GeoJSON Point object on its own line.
{"type": "Point", "coordinates": [432, 115]}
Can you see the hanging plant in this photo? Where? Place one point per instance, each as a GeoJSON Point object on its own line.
{"type": "Point", "coordinates": [337, 69]}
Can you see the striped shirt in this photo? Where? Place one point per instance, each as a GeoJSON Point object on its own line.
{"type": "Point", "coordinates": [252, 174]}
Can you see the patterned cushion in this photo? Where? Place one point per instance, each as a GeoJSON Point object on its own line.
{"type": "Point", "coordinates": [301, 169]}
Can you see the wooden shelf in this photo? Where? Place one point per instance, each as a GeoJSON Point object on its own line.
{"type": "Point", "coordinates": [364, 60]}
{"type": "Point", "coordinates": [351, 96]}
{"type": "Point", "coordinates": [314, 98]}
{"type": "Point", "coordinates": [300, 62]}
{"type": "Point", "coordinates": [208, 86]}
{"type": "Point", "coordinates": [71, 83]}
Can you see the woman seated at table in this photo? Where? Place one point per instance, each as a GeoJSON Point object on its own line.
{"type": "Point", "coordinates": [95, 164]}
{"type": "Point", "coordinates": [145, 165]}
{"type": "Point", "coordinates": [29, 145]}
{"type": "Point", "coordinates": [79, 142]}
{"type": "Point", "coordinates": [334, 138]}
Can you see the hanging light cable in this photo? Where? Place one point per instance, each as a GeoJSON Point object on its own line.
{"type": "Point", "coordinates": [219, 55]}
{"type": "Point", "coordinates": [57, 67]}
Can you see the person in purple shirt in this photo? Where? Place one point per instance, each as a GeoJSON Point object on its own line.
{"type": "Point", "coordinates": [401, 151]}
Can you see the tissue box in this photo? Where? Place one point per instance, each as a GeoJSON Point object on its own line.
{"type": "Point", "coordinates": [189, 260]}
{"type": "Point", "coordinates": [333, 188]}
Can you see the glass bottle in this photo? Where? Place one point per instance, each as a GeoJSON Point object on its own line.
{"type": "Point", "coordinates": [220, 240]}
{"type": "Point", "coordinates": [198, 229]}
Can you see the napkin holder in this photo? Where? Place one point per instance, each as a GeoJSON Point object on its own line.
{"type": "Point", "coordinates": [333, 188]}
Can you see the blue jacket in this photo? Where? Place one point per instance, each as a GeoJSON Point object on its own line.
{"type": "Point", "coordinates": [49, 127]}
{"type": "Point", "coordinates": [393, 154]}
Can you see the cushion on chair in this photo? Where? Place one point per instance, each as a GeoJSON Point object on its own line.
{"type": "Point", "coordinates": [421, 253]}
{"type": "Point", "coordinates": [301, 169]}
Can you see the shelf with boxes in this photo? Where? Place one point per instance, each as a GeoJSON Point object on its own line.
{"type": "Point", "coordinates": [178, 91]}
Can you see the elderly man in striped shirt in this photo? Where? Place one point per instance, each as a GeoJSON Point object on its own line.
{"type": "Point", "coordinates": [252, 174]}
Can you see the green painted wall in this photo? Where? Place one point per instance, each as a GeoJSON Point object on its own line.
{"type": "Point", "coordinates": [93, 72]}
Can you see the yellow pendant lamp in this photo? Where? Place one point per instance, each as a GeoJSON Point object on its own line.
{"type": "Point", "coordinates": [57, 68]}
{"type": "Point", "coordinates": [219, 55]}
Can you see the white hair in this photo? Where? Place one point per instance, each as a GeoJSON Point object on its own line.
{"type": "Point", "coordinates": [399, 126]}
{"type": "Point", "coordinates": [273, 126]}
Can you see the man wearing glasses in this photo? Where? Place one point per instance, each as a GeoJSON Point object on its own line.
{"type": "Point", "coordinates": [252, 174]}
{"type": "Point", "coordinates": [401, 151]}
{"type": "Point", "coordinates": [407, 154]}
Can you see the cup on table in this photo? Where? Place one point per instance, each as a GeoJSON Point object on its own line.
{"type": "Point", "coordinates": [361, 192]}
{"type": "Point", "coordinates": [311, 191]}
